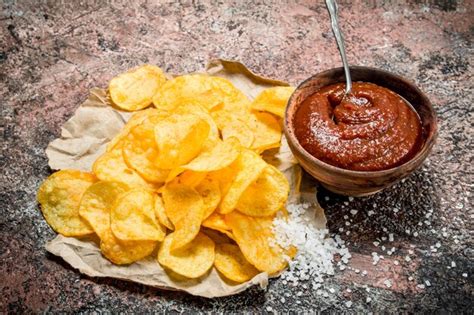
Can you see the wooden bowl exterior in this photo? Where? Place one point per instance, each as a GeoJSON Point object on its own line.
{"type": "Point", "coordinates": [358, 183]}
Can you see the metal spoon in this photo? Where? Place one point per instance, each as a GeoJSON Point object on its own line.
{"type": "Point", "coordinates": [332, 8]}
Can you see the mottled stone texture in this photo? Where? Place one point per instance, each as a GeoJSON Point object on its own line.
{"type": "Point", "coordinates": [52, 53]}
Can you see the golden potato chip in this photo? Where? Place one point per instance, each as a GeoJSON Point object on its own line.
{"type": "Point", "coordinates": [124, 252]}
{"type": "Point", "coordinates": [207, 91]}
{"type": "Point", "coordinates": [238, 129]}
{"type": "Point", "coordinates": [266, 195]}
{"type": "Point", "coordinates": [216, 222]}
{"type": "Point", "coordinates": [210, 192]}
{"type": "Point", "coordinates": [254, 235]}
{"type": "Point", "coordinates": [273, 100]}
{"type": "Point", "coordinates": [266, 130]}
{"type": "Point", "coordinates": [133, 217]}
{"type": "Point", "coordinates": [111, 167]}
{"type": "Point", "coordinates": [249, 166]}
{"type": "Point", "coordinates": [193, 261]}
{"type": "Point", "coordinates": [191, 178]}
{"type": "Point", "coordinates": [60, 195]}
{"type": "Point", "coordinates": [136, 119]}
{"type": "Point", "coordinates": [232, 264]}
{"type": "Point", "coordinates": [97, 202]}
{"type": "Point", "coordinates": [134, 90]}
{"type": "Point", "coordinates": [185, 208]}
{"type": "Point", "coordinates": [190, 107]}
{"type": "Point", "coordinates": [140, 152]}
{"type": "Point", "coordinates": [179, 139]}
{"type": "Point", "coordinates": [161, 214]}
{"type": "Point", "coordinates": [222, 154]}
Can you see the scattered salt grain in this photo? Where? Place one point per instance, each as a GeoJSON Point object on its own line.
{"type": "Point", "coordinates": [395, 262]}
{"type": "Point", "coordinates": [421, 286]}
{"type": "Point", "coordinates": [464, 275]}
{"type": "Point", "coordinates": [269, 308]}
{"type": "Point", "coordinates": [388, 283]}
{"type": "Point", "coordinates": [348, 290]}
{"type": "Point", "coordinates": [332, 290]}
{"type": "Point", "coordinates": [390, 237]}
{"type": "Point", "coordinates": [453, 264]}
{"type": "Point", "coordinates": [428, 283]}
{"type": "Point", "coordinates": [370, 213]}
{"type": "Point", "coordinates": [367, 300]}
{"type": "Point", "coordinates": [364, 272]}
{"type": "Point", "coordinates": [415, 234]}
{"type": "Point", "coordinates": [348, 304]}
{"type": "Point", "coordinates": [316, 249]}
{"type": "Point", "coordinates": [407, 258]}
{"type": "Point", "coordinates": [346, 217]}
{"type": "Point", "coordinates": [410, 278]}
{"type": "Point", "coordinates": [351, 198]}
{"type": "Point", "coordinates": [353, 212]}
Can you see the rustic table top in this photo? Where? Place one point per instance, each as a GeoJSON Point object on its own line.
{"type": "Point", "coordinates": [51, 54]}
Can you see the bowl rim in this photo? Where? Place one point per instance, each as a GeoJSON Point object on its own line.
{"type": "Point", "coordinates": [413, 162]}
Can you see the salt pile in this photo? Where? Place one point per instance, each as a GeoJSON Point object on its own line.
{"type": "Point", "coordinates": [316, 249]}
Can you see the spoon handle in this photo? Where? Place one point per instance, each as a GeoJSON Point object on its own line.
{"type": "Point", "coordinates": [332, 8]}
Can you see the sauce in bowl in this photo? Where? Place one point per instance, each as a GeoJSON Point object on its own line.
{"type": "Point", "coordinates": [371, 129]}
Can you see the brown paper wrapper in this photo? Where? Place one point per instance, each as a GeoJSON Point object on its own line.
{"type": "Point", "coordinates": [83, 139]}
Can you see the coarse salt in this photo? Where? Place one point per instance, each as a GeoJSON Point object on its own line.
{"type": "Point", "coordinates": [316, 250]}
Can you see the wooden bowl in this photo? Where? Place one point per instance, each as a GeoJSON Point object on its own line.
{"type": "Point", "coordinates": [360, 183]}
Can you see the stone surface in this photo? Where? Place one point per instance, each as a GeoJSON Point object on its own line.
{"type": "Point", "coordinates": [52, 53]}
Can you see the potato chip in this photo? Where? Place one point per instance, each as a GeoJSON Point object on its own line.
{"type": "Point", "coordinates": [190, 107]}
{"type": "Point", "coordinates": [240, 130]}
{"type": "Point", "coordinates": [207, 91]}
{"type": "Point", "coordinates": [266, 130]}
{"type": "Point", "coordinates": [210, 192]}
{"type": "Point", "coordinates": [97, 202]}
{"type": "Point", "coordinates": [249, 166]}
{"type": "Point", "coordinates": [133, 217]}
{"type": "Point", "coordinates": [273, 100]}
{"type": "Point", "coordinates": [191, 178]}
{"type": "Point", "coordinates": [134, 90]}
{"type": "Point", "coordinates": [140, 152]}
{"type": "Point", "coordinates": [254, 235]}
{"type": "Point", "coordinates": [266, 195]}
{"type": "Point", "coordinates": [185, 208]}
{"type": "Point", "coordinates": [161, 213]}
{"type": "Point", "coordinates": [179, 139]}
{"type": "Point", "coordinates": [216, 222]}
{"type": "Point", "coordinates": [136, 119]}
{"type": "Point", "coordinates": [221, 155]}
{"type": "Point", "coordinates": [60, 195]}
{"type": "Point", "coordinates": [232, 264]}
{"type": "Point", "coordinates": [124, 252]}
{"type": "Point", "coordinates": [193, 261]}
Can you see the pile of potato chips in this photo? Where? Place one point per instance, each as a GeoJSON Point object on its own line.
{"type": "Point", "coordinates": [183, 180]}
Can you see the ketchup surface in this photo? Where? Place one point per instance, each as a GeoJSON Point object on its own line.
{"type": "Point", "coordinates": [371, 129]}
